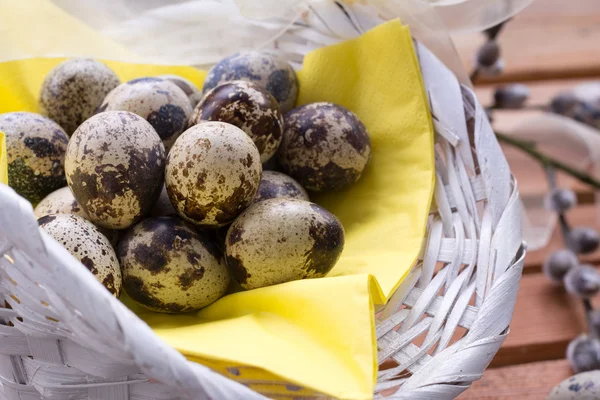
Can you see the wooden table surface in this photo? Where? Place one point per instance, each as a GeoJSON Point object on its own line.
{"type": "Point", "coordinates": [550, 46]}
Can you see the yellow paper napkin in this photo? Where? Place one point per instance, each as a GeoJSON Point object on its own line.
{"type": "Point", "coordinates": [317, 334]}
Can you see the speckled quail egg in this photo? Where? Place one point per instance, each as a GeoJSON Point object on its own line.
{"type": "Point", "coordinates": [159, 101]}
{"type": "Point", "coordinates": [163, 206]}
{"type": "Point", "coordinates": [276, 185]}
{"type": "Point", "coordinates": [74, 89]}
{"type": "Point", "coordinates": [582, 386]}
{"type": "Point", "coordinates": [190, 90]}
{"type": "Point", "coordinates": [170, 267]}
{"type": "Point", "coordinates": [115, 167]}
{"type": "Point", "coordinates": [212, 173]}
{"type": "Point", "coordinates": [247, 106]}
{"type": "Point", "coordinates": [324, 147]}
{"type": "Point", "coordinates": [281, 240]}
{"type": "Point", "coordinates": [269, 71]}
{"type": "Point", "coordinates": [85, 242]}
{"type": "Point", "coordinates": [35, 152]}
{"type": "Point", "coordinates": [60, 201]}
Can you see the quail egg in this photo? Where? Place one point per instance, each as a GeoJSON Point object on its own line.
{"type": "Point", "coordinates": [60, 201]}
{"type": "Point", "coordinates": [269, 71]}
{"type": "Point", "coordinates": [274, 185]}
{"type": "Point", "coordinates": [247, 106]}
{"type": "Point", "coordinates": [212, 173]}
{"type": "Point", "coordinates": [85, 242]}
{"type": "Point", "coordinates": [159, 101]}
{"type": "Point", "coordinates": [170, 267]}
{"type": "Point", "coordinates": [115, 167]}
{"type": "Point", "coordinates": [74, 89]}
{"type": "Point", "coordinates": [35, 152]}
{"type": "Point", "coordinates": [281, 240]}
{"type": "Point", "coordinates": [190, 90]}
{"type": "Point", "coordinates": [582, 386]}
{"type": "Point", "coordinates": [324, 147]}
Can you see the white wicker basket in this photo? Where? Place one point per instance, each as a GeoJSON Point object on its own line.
{"type": "Point", "coordinates": [65, 337]}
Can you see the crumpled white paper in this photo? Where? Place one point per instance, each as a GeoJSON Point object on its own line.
{"type": "Point", "coordinates": [200, 32]}
{"type": "Point", "coordinates": [458, 15]}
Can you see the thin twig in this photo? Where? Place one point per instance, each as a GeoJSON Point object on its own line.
{"type": "Point", "coordinates": [548, 161]}
{"type": "Point", "coordinates": [589, 309]}
{"type": "Point", "coordinates": [526, 107]}
{"type": "Point", "coordinates": [565, 228]}
{"type": "Point", "coordinates": [474, 74]}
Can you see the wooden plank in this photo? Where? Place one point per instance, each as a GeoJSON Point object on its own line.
{"type": "Point", "coordinates": [546, 318]}
{"type": "Point", "coordinates": [549, 39]}
{"type": "Point", "coordinates": [525, 381]}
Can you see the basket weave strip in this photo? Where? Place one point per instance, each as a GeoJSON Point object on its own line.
{"type": "Point", "coordinates": [65, 337]}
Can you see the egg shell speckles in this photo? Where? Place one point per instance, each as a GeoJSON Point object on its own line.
{"type": "Point", "coordinates": [212, 173]}
{"type": "Point", "coordinates": [324, 147]}
{"type": "Point", "coordinates": [160, 102]}
{"type": "Point", "coordinates": [280, 240]}
{"type": "Point", "coordinates": [276, 185]}
{"type": "Point", "coordinates": [60, 201]}
{"type": "Point", "coordinates": [115, 168]}
{"type": "Point", "coordinates": [74, 89]}
{"type": "Point", "coordinates": [170, 267]}
{"type": "Point", "coordinates": [247, 106]}
{"type": "Point", "coordinates": [269, 71]}
{"type": "Point", "coordinates": [582, 386]}
{"type": "Point", "coordinates": [85, 242]}
{"type": "Point", "coordinates": [35, 152]}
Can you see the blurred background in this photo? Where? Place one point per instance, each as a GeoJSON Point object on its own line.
{"type": "Point", "coordinates": [552, 48]}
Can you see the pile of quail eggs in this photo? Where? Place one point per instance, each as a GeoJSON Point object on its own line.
{"type": "Point", "coordinates": [172, 194]}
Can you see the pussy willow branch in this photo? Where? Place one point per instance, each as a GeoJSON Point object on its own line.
{"type": "Point", "coordinates": [546, 160]}
{"type": "Point", "coordinates": [492, 33]}
{"type": "Point", "coordinates": [565, 229]}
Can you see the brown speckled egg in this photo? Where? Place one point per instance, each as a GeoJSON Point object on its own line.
{"type": "Point", "coordinates": [74, 89]}
{"type": "Point", "coordinates": [247, 106]}
{"type": "Point", "coordinates": [35, 152]}
{"type": "Point", "coordinates": [212, 173]}
{"type": "Point", "coordinates": [163, 206]}
{"type": "Point", "coordinates": [115, 168]}
{"type": "Point", "coordinates": [60, 201]}
{"type": "Point", "coordinates": [160, 102]}
{"type": "Point", "coordinates": [85, 242]}
{"type": "Point", "coordinates": [280, 240]}
{"type": "Point", "coordinates": [170, 267]}
{"type": "Point", "coordinates": [324, 147]}
{"type": "Point", "coordinates": [269, 71]}
{"type": "Point", "coordinates": [190, 90]}
{"type": "Point", "coordinates": [276, 185]}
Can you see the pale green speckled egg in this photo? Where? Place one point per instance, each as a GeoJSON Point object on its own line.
{"type": "Point", "coordinates": [280, 240]}
{"type": "Point", "coordinates": [170, 267]}
{"type": "Point", "coordinates": [87, 244]}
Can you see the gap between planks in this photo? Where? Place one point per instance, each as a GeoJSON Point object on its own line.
{"type": "Point", "coordinates": [545, 319]}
